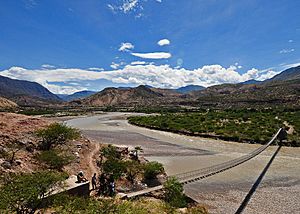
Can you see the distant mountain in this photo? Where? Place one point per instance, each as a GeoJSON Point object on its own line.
{"type": "Point", "coordinates": [5, 103]}
{"type": "Point", "coordinates": [289, 74]}
{"type": "Point", "coordinates": [76, 95]}
{"type": "Point", "coordinates": [139, 96]}
{"type": "Point", "coordinates": [25, 92]}
{"type": "Point", "coordinates": [187, 89]}
{"type": "Point", "coordinates": [252, 81]}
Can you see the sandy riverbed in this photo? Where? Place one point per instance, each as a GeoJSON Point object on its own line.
{"type": "Point", "coordinates": [223, 193]}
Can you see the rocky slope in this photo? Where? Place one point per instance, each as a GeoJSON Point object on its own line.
{"type": "Point", "coordinates": [139, 96]}
{"type": "Point", "coordinates": [26, 93]}
{"type": "Point", "coordinates": [6, 104]}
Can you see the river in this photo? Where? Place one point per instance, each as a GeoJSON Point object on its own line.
{"type": "Point", "coordinates": [221, 193]}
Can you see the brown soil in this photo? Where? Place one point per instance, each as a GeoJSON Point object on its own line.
{"type": "Point", "coordinates": [20, 128]}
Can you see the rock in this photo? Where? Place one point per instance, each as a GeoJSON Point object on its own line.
{"type": "Point", "coordinates": [6, 165]}
{"type": "Point", "coordinates": [182, 210]}
{"type": "Point", "coordinates": [18, 162]}
{"type": "Point", "coordinates": [120, 195]}
{"type": "Point", "coordinates": [30, 148]}
{"type": "Point", "coordinates": [3, 150]}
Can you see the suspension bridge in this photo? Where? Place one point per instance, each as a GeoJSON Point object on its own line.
{"type": "Point", "coordinates": [196, 175]}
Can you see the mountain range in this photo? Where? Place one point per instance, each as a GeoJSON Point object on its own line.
{"type": "Point", "coordinates": [282, 89]}
{"type": "Point", "coordinates": [76, 95]}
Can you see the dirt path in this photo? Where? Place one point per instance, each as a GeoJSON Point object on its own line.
{"type": "Point", "coordinates": [92, 165]}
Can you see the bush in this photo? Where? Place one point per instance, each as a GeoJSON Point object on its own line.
{"type": "Point", "coordinates": [152, 169]}
{"type": "Point", "coordinates": [114, 167]}
{"type": "Point", "coordinates": [25, 193]}
{"type": "Point", "coordinates": [54, 160]}
{"type": "Point", "coordinates": [197, 210]}
{"type": "Point", "coordinates": [56, 134]}
{"type": "Point", "coordinates": [174, 193]}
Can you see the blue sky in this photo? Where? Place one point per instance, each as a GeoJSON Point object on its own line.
{"type": "Point", "coordinates": [74, 45]}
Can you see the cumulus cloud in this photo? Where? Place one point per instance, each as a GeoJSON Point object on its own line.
{"type": "Point", "coordinates": [126, 46]}
{"type": "Point", "coordinates": [163, 42]}
{"type": "Point", "coordinates": [155, 55]}
{"type": "Point", "coordinates": [158, 76]}
{"type": "Point", "coordinates": [284, 51]}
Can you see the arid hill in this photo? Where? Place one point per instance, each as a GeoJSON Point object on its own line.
{"type": "Point", "coordinates": [6, 104]}
{"type": "Point", "coordinates": [139, 96]}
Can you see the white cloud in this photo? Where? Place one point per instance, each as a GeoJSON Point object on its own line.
{"type": "Point", "coordinates": [112, 8]}
{"type": "Point", "coordinates": [47, 66]}
{"type": "Point", "coordinates": [155, 55]}
{"type": "Point", "coordinates": [284, 51]}
{"type": "Point", "coordinates": [129, 5]}
{"type": "Point", "coordinates": [96, 69]}
{"type": "Point", "coordinates": [290, 41]}
{"type": "Point", "coordinates": [163, 42]}
{"type": "Point", "coordinates": [114, 65]}
{"type": "Point", "coordinates": [138, 63]}
{"type": "Point", "coordinates": [126, 46]}
{"type": "Point", "coordinates": [158, 76]}
{"type": "Point", "coordinates": [159, 1]}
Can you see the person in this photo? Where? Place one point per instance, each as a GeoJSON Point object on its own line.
{"type": "Point", "coordinates": [94, 181]}
{"type": "Point", "coordinates": [80, 177]}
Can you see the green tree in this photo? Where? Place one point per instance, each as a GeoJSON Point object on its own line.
{"type": "Point", "coordinates": [174, 193]}
{"type": "Point", "coordinates": [25, 193]}
{"type": "Point", "coordinates": [114, 168]}
{"type": "Point", "coordinates": [133, 169]}
{"type": "Point", "coordinates": [55, 134]}
{"type": "Point", "coordinates": [53, 159]}
{"type": "Point", "coordinates": [152, 169]}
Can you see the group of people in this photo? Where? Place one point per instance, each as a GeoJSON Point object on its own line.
{"type": "Point", "coordinates": [106, 183]}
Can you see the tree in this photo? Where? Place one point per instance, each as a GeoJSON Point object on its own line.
{"type": "Point", "coordinates": [174, 193]}
{"type": "Point", "coordinates": [25, 193]}
{"type": "Point", "coordinates": [152, 169]}
{"type": "Point", "coordinates": [55, 134]}
{"type": "Point", "coordinates": [133, 169]}
{"type": "Point", "coordinates": [53, 159]}
{"type": "Point", "coordinates": [114, 168]}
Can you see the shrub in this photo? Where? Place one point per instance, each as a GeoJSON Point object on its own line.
{"type": "Point", "coordinates": [133, 169]}
{"type": "Point", "coordinates": [174, 193]}
{"type": "Point", "coordinates": [56, 134]}
{"type": "Point", "coordinates": [152, 169]}
{"type": "Point", "coordinates": [114, 167]}
{"type": "Point", "coordinates": [53, 159]}
{"type": "Point", "coordinates": [197, 210]}
{"type": "Point", "coordinates": [25, 193]}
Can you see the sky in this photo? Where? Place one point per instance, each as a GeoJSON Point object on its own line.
{"type": "Point", "coordinates": [74, 45]}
